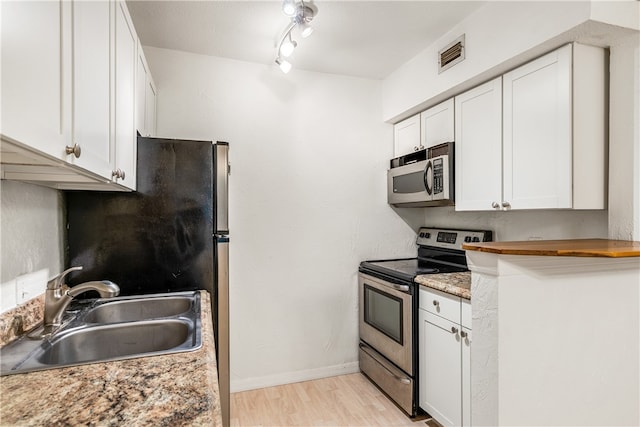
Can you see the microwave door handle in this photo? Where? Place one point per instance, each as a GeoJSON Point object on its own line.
{"type": "Point", "coordinates": [427, 174]}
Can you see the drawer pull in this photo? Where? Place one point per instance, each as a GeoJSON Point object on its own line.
{"type": "Point", "coordinates": [436, 303]}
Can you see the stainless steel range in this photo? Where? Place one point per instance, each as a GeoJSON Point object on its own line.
{"type": "Point", "coordinates": [388, 310]}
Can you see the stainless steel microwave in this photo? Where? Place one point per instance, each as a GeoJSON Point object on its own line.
{"type": "Point", "coordinates": [422, 179]}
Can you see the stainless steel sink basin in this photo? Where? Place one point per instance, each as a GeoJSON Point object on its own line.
{"type": "Point", "coordinates": [112, 329]}
{"type": "Point", "coordinates": [131, 310]}
{"type": "Point", "coordinates": [117, 341]}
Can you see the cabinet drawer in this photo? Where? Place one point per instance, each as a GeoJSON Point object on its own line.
{"type": "Point", "coordinates": [466, 314]}
{"type": "Point", "coordinates": [440, 303]}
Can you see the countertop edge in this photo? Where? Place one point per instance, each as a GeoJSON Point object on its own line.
{"type": "Point", "coordinates": [594, 248]}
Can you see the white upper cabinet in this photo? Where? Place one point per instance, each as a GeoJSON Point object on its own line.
{"type": "Point", "coordinates": [478, 148]}
{"type": "Point", "coordinates": [91, 86]}
{"type": "Point", "coordinates": [69, 94]}
{"type": "Point", "coordinates": [436, 124]}
{"type": "Point", "coordinates": [552, 140]}
{"type": "Point", "coordinates": [145, 97]}
{"type": "Point", "coordinates": [35, 84]}
{"type": "Point", "coordinates": [537, 133]}
{"type": "Point", "coordinates": [124, 98]}
{"type": "Point", "coordinates": [431, 127]}
{"type": "Point", "coordinates": [406, 136]}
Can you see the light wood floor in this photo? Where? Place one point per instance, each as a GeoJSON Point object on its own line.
{"type": "Point", "coordinates": [346, 400]}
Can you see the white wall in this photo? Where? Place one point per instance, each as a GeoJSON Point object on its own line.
{"type": "Point", "coordinates": [31, 236]}
{"type": "Point", "coordinates": [523, 225]}
{"type": "Point", "coordinates": [308, 158]}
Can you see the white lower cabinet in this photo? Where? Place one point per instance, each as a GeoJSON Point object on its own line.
{"type": "Point", "coordinates": [444, 358]}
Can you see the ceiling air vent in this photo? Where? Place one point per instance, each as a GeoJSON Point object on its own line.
{"type": "Point", "coordinates": [451, 54]}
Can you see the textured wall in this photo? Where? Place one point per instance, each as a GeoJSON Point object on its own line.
{"type": "Point", "coordinates": [309, 155]}
{"type": "Point", "coordinates": [31, 230]}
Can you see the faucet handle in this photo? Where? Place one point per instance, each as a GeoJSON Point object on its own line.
{"type": "Point", "coordinates": [56, 282]}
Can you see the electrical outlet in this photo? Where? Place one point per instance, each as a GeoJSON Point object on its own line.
{"type": "Point", "coordinates": [31, 285]}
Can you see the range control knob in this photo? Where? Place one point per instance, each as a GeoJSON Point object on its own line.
{"type": "Point", "coordinates": [467, 239]}
{"type": "Point", "coordinates": [476, 239]}
{"type": "Point", "coordinates": [421, 234]}
{"type": "Point", "coordinates": [427, 235]}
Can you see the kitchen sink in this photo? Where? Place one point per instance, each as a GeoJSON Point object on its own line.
{"type": "Point", "coordinates": [131, 310]}
{"type": "Point", "coordinates": [109, 329]}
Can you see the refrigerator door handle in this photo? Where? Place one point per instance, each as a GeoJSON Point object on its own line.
{"type": "Point", "coordinates": [222, 326]}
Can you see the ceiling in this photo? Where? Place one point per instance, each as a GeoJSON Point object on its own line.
{"type": "Point", "coordinates": [368, 39]}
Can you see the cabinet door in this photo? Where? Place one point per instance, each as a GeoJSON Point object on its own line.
{"type": "Point", "coordinates": [141, 88]}
{"type": "Point", "coordinates": [406, 136]}
{"type": "Point", "coordinates": [478, 151]}
{"type": "Point", "coordinates": [440, 369]}
{"type": "Point", "coordinates": [35, 74]}
{"type": "Point", "coordinates": [125, 76]}
{"type": "Point", "coordinates": [436, 124]}
{"type": "Point", "coordinates": [537, 133]}
{"type": "Point", "coordinates": [91, 85]}
{"type": "Point", "coordinates": [466, 377]}
{"type": "Point", "coordinates": [150, 106]}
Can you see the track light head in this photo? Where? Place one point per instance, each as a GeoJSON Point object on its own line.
{"type": "Point", "coordinates": [285, 66]}
{"type": "Point", "coordinates": [287, 46]}
{"type": "Point", "coordinates": [289, 7]}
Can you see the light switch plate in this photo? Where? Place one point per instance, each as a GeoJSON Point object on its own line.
{"type": "Point", "coordinates": [31, 285]}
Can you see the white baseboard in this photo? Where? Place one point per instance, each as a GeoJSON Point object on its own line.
{"type": "Point", "coordinates": [293, 377]}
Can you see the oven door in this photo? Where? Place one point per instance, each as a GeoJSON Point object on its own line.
{"type": "Point", "coordinates": [385, 317]}
{"type": "Point", "coordinates": [409, 183]}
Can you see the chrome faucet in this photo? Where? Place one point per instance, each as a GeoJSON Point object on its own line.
{"type": "Point", "coordinates": [58, 296]}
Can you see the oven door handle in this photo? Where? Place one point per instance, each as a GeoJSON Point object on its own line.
{"type": "Point", "coordinates": [401, 288]}
{"type": "Point", "coordinates": [364, 348]}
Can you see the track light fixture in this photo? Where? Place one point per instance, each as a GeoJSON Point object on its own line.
{"type": "Point", "coordinates": [301, 15]}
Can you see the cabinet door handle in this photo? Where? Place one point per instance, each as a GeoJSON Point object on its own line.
{"type": "Point", "coordinates": [75, 150]}
{"type": "Point", "coordinates": [415, 148]}
{"type": "Point", "coordinates": [118, 173]}
{"type": "Point", "coordinates": [463, 334]}
{"type": "Point", "coordinates": [506, 205]}
{"type": "Point", "coordinates": [495, 205]}
{"type": "Point", "coordinates": [454, 330]}
{"type": "Point", "coordinates": [436, 303]}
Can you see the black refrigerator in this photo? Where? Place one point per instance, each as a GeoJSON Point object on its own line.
{"type": "Point", "coordinates": [169, 235]}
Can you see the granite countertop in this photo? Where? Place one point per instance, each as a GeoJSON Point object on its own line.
{"type": "Point", "coordinates": [179, 389]}
{"type": "Point", "coordinates": [458, 284]}
{"type": "Point", "coordinates": [576, 248]}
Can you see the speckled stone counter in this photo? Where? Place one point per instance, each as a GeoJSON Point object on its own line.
{"type": "Point", "coordinates": [458, 284]}
{"type": "Point", "coordinates": [172, 390]}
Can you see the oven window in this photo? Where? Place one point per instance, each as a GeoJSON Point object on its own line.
{"type": "Point", "coordinates": [409, 183]}
{"type": "Point", "coordinates": [383, 312]}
